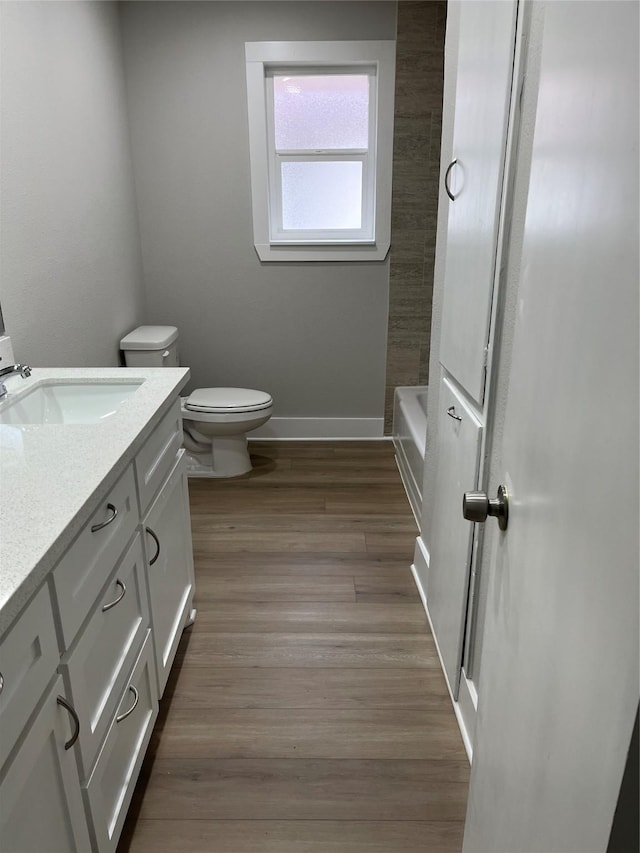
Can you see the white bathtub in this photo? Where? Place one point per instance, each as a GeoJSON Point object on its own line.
{"type": "Point", "coordinates": [409, 439]}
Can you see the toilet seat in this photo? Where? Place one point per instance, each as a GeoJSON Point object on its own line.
{"type": "Point", "coordinates": [215, 422]}
{"type": "Point", "coordinates": [227, 401]}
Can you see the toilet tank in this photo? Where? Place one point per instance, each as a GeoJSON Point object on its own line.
{"type": "Point", "coordinates": [151, 346]}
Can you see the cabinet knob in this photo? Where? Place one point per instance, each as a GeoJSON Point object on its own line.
{"type": "Point", "coordinates": [476, 506]}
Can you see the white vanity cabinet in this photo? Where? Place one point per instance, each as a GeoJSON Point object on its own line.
{"type": "Point", "coordinates": [100, 633]}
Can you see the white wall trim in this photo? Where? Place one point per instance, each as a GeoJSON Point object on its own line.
{"type": "Point", "coordinates": [321, 428]}
{"type": "Point", "coordinates": [259, 57]}
{"type": "Point", "coordinates": [456, 707]}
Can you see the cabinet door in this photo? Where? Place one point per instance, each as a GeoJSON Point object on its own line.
{"type": "Point", "coordinates": [459, 434]}
{"type": "Point", "coordinates": [169, 567]}
{"type": "Point", "coordinates": [28, 658]}
{"type": "Point", "coordinates": [482, 98]}
{"type": "Point", "coordinates": [40, 798]}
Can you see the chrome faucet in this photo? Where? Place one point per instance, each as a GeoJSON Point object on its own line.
{"type": "Point", "coordinates": [23, 369]}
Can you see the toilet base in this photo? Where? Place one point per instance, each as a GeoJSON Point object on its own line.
{"type": "Point", "coordinates": [229, 457]}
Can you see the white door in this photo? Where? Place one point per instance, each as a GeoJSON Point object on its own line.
{"type": "Point", "coordinates": [459, 435]}
{"type": "Point", "coordinates": [559, 673]}
{"type": "Point", "coordinates": [483, 92]}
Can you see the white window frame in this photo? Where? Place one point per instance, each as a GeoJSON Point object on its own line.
{"type": "Point", "coordinates": [371, 242]}
{"type": "Point", "coordinates": [366, 156]}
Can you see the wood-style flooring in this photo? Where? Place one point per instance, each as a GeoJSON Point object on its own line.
{"type": "Point", "coordinates": [306, 711]}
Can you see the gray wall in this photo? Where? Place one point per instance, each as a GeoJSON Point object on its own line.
{"type": "Point", "coordinates": [313, 335]}
{"type": "Point", "coordinates": [71, 281]}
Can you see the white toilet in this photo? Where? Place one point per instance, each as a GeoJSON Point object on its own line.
{"type": "Point", "coordinates": [215, 421]}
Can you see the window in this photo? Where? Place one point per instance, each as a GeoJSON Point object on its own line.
{"type": "Point", "coordinates": [320, 133]}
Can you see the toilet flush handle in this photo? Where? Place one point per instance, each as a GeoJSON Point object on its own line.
{"type": "Point", "coordinates": [166, 354]}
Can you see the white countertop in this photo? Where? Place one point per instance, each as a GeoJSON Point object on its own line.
{"type": "Point", "coordinates": [52, 475]}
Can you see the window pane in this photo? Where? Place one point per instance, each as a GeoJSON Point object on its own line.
{"type": "Point", "coordinates": [321, 111]}
{"type": "Point", "coordinates": [321, 195]}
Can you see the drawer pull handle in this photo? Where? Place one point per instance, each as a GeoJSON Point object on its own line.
{"type": "Point", "coordinates": [446, 180]}
{"type": "Point", "coordinates": [136, 697]}
{"type": "Point", "coordinates": [157, 541]}
{"type": "Point", "coordinates": [451, 411]}
{"type": "Point", "coordinates": [118, 599]}
{"type": "Point", "coordinates": [1, 682]}
{"type": "Point", "coordinates": [76, 722]}
{"type": "Point", "coordinates": [112, 517]}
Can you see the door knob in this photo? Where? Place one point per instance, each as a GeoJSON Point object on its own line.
{"type": "Point", "coordinates": [476, 506]}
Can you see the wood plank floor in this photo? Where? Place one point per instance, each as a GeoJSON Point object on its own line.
{"type": "Point", "coordinates": [306, 711]}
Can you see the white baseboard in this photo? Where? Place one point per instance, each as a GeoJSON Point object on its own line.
{"type": "Point", "coordinates": [320, 428]}
{"type": "Point", "coordinates": [414, 495]}
{"type": "Point", "coordinates": [468, 705]}
{"type": "Point", "coordinates": [421, 555]}
{"type": "Point", "coordinates": [466, 740]}
{"type": "Point", "coordinates": [418, 582]}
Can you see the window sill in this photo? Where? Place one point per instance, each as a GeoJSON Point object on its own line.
{"type": "Point", "coordinates": [318, 251]}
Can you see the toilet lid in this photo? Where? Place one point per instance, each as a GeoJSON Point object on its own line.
{"type": "Point", "coordinates": [149, 338]}
{"type": "Point", "coordinates": [228, 400]}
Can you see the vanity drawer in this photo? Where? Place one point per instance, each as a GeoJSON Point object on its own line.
{"type": "Point", "coordinates": [158, 455]}
{"type": "Point", "coordinates": [83, 571]}
{"type": "Point", "coordinates": [96, 671]}
{"type": "Point", "coordinates": [28, 660]}
{"type": "Point", "coordinates": [111, 785]}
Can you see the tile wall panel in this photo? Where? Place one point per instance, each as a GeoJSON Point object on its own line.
{"type": "Point", "coordinates": [416, 163]}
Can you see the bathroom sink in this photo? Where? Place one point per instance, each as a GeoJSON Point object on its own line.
{"type": "Point", "coordinates": [79, 402]}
